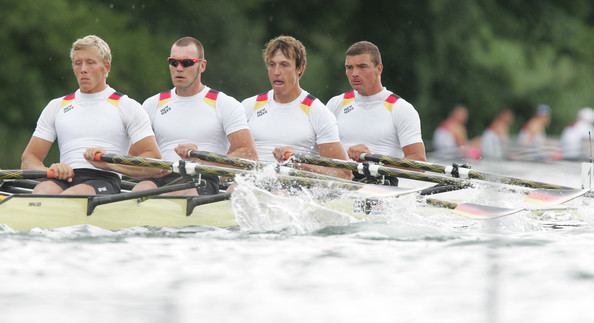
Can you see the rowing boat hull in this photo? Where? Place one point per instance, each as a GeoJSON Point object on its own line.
{"type": "Point", "coordinates": [25, 212]}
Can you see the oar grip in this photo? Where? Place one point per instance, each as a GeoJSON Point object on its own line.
{"type": "Point", "coordinates": [97, 156]}
{"type": "Point", "coordinates": [50, 173]}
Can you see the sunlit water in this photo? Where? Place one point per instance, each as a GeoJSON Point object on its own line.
{"type": "Point", "coordinates": [413, 267]}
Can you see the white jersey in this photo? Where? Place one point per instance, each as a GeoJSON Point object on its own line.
{"type": "Point", "coordinates": [538, 140]}
{"type": "Point", "coordinates": [383, 122]}
{"type": "Point", "coordinates": [574, 139]}
{"type": "Point", "coordinates": [444, 140]}
{"type": "Point", "coordinates": [492, 146]}
{"type": "Point", "coordinates": [78, 121]}
{"type": "Point", "coordinates": [302, 124]}
{"type": "Point", "coordinates": [204, 119]}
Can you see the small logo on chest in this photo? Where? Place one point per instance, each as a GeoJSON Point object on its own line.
{"type": "Point", "coordinates": [165, 109]}
{"type": "Point", "coordinates": [261, 112]}
{"type": "Point", "coordinates": [68, 108]}
{"type": "Point", "coordinates": [348, 109]}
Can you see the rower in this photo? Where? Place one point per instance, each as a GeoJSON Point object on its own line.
{"type": "Point", "coordinates": [192, 116]}
{"type": "Point", "coordinates": [288, 119]}
{"type": "Point", "coordinates": [532, 136]}
{"type": "Point", "coordinates": [372, 119]}
{"type": "Point", "coordinates": [575, 138]}
{"type": "Point", "coordinates": [95, 116]}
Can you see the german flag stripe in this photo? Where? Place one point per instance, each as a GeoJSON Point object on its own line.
{"type": "Point", "coordinates": [262, 97]}
{"type": "Point", "coordinates": [212, 94]}
{"type": "Point", "coordinates": [306, 103]}
{"type": "Point", "coordinates": [261, 100]}
{"type": "Point", "coordinates": [164, 97]}
{"type": "Point", "coordinates": [114, 99]}
{"type": "Point", "coordinates": [347, 98]}
{"type": "Point", "coordinates": [309, 99]}
{"type": "Point", "coordinates": [211, 98]}
{"type": "Point", "coordinates": [115, 96]}
{"type": "Point", "coordinates": [390, 100]}
{"type": "Point", "coordinates": [67, 100]}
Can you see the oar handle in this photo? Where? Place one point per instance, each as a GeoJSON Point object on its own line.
{"type": "Point", "coordinates": [50, 173]}
{"type": "Point", "coordinates": [26, 174]}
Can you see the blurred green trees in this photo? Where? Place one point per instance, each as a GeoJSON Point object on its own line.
{"type": "Point", "coordinates": [484, 53]}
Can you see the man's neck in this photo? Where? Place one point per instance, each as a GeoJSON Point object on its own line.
{"type": "Point", "coordinates": [375, 90]}
{"type": "Point", "coordinates": [189, 91]}
{"type": "Point", "coordinates": [95, 90]}
{"type": "Point", "coordinates": [289, 97]}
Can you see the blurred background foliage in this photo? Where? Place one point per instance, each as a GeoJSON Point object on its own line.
{"type": "Point", "coordinates": [486, 54]}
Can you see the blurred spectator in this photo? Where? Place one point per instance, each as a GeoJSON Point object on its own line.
{"type": "Point", "coordinates": [575, 138]}
{"type": "Point", "coordinates": [533, 132]}
{"type": "Point", "coordinates": [495, 138]}
{"type": "Point", "coordinates": [532, 139]}
{"type": "Point", "coordinates": [450, 139]}
{"type": "Point", "coordinates": [451, 133]}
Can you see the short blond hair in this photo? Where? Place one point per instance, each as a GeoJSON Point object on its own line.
{"type": "Point", "coordinates": [365, 47]}
{"type": "Point", "coordinates": [187, 41]}
{"type": "Point", "coordinates": [290, 47]}
{"type": "Point", "coordinates": [92, 41]}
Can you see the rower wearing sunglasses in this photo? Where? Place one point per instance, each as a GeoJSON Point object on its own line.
{"type": "Point", "coordinates": [95, 118]}
{"type": "Point", "coordinates": [288, 119]}
{"type": "Point", "coordinates": [193, 116]}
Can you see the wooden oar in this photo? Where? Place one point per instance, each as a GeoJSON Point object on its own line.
{"type": "Point", "coordinates": [25, 174]}
{"type": "Point", "coordinates": [224, 159]}
{"type": "Point", "coordinates": [457, 171]}
{"type": "Point", "coordinates": [542, 195]}
{"type": "Point", "coordinates": [250, 164]}
{"type": "Point", "coordinates": [188, 168]}
{"type": "Point", "coordinates": [375, 170]}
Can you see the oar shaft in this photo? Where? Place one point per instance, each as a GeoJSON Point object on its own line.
{"type": "Point", "coordinates": [223, 159]}
{"type": "Point", "coordinates": [470, 173]}
{"type": "Point", "coordinates": [134, 161]}
{"type": "Point", "coordinates": [181, 167]}
{"type": "Point", "coordinates": [401, 162]}
{"type": "Point", "coordinates": [251, 164]}
{"type": "Point", "coordinates": [386, 171]}
{"type": "Point", "coordinates": [25, 174]}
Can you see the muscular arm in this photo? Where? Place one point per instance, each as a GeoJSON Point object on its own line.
{"type": "Point", "coordinates": [35, 153]}
{"type": "Point", "coordinates": [146, 147]}
{"type": "Point", "coordinates": [415, 151]}
{"type": "Point", "coordinates": [331, 150]}
{"type": "Point", "coordinates": [242, 145]}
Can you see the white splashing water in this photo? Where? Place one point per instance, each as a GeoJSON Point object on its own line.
{"type": "Point", "coordinates": [259, 210]}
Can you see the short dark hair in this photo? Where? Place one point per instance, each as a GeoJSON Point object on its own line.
{"type": "Point", "coordinates": [186, 41]}
{"type": "Point", "coordinates": [290, 47]}
{"type": "Point", "coordinates": [365, 47]}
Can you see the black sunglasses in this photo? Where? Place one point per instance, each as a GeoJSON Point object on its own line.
{"type": "Point", "coordinates": [185, 62]}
